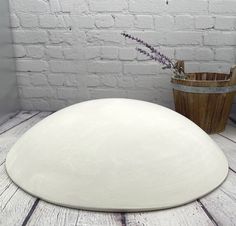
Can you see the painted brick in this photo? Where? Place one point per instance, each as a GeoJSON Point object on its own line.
{"type": "Point", "coordinates": [105, 67]}
{"type": "Point", "coordinates": [139, 68]}
{"type": "Point", "coordinates": [19, 51]}
{"type": "Point", "coordinates": [142, 82]}
{"type": "Point", "coordinates": [225, 23]}
{"type": "Point", "coordinates": [35, 51]}
{"type": "Point", "coordinates": [152, 37]}
{"type": "Point", "coordinates": [23, 79]}
{"type": "Point", "coordinates": [14, 21]}
{"type": "Point", "coordinates": [63, 66]}
{"type": "Point", "coordinates": [37, 92]}
{"type": "Point", "coordinates": [76, 7]}
{"type": "Point", "coordinates": [107, 93]}
{"type": "Point", "coordinates": [54, 52]}
{"type": "Point", "coordinates": [55, 6]}
{"type": "Point", "coordinates": [124, 21]}
{"type": "Point", "coordinates": [109, 52]}
{"type": "Point", "coordinates": [150, 6]}
{"type": "Point", "coordinates": [184, 22]}
{"type": "Point", "coordinates": [82, 21]}
{"type": "Point", "coordinates": [125, 82]}
{"type": "Point", "coordinates": [28, 20]}
{"type": "Point", "coordinates": [72, 50]}
{"type": "Point", "coordinates": [29, 37]}
{"type": "Point", "coordinates": [165, 22]}
{"type": "Point", "coordinates": [67, 93]}
{"type": "Point", "coordinates": [184, 53]}
{"type": "Point", "coordinates": [127, 53]}
{"type": "Point", "coordinates": [200, 54]}
{"type": "Point", "coordinates": [222, 6]}
{"type": "Point", "coordinates": [215, 67]}
{"type": "Point", "coordinates": [92, 52]}
{"type": "Point", "coordinates": [225, 54]}
{"type": "Point", "coordinates": [203, 54]}
{"type": "Point", "coordinates": [182, 38]}
{"type": "Point", "coordinates": [74, 53]}
{"type": "Point", "coordinates": [92, 80]}
{"type": "Point", "coordinates": [38, 79]}
{"type": "Point", "coordinates": [104, 21]}
{"type": "Point", "coordinates": [31, 65]}
{"type": "Point", "coordinates": [107, 6]}
{"type": "Point", "coordinates": [71, 80]}
{"type": "Point", "coordinates": [144, 95]}
{"type": "Point", "coordinates": [108, 80]}
{"type": "Point", "coordinates": [144, 21]}
{"type": "Point", "coordinates": [56, 79]}
{"type": "Point", "coordinates": [51, 21]}
{"type": "Point", "coordinates": [35, 6]}
{"type": "Point", "coordinates": [191, 7]}
{"type": "Point", "coordinates": [220, 39]}
{"type": "Point", "coordinates": [109, 36]}
{"type": "Point", "coordinates": [204, 22]}
{"type": "Point", "coordinates": [57, 37]}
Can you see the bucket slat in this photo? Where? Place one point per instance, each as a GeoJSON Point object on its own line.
{"type": "Point", "coordinates": [233, 75]}
{"type": "Point", "coordinates": [209, 110]}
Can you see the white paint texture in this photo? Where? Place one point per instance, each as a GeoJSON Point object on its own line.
{"type": "Point", "coordinates": [71, 50]}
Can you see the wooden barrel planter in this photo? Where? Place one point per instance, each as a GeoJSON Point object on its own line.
{"type": "Point", "coordinates": [205, 98]}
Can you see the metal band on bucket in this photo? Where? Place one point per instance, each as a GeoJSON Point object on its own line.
{"type": "Point", "coordinates": [208, 89]}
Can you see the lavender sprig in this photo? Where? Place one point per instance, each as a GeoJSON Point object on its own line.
{"type": "Point", "coordinates": [153, 50]}
{"type": "Point", "coordinates": [156, 55]}
{"type": "Point", "coordinates": [158, 58]}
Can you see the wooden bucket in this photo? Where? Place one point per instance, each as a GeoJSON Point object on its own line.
{"type": "Point", "coordinates": [205, 98]}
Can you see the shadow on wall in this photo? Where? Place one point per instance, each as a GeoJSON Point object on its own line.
{"type": "Point", "coordinates": [8, 90]}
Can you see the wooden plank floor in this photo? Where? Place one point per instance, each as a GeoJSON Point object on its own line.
{"type": "Point", "coordinates": [20, 208]}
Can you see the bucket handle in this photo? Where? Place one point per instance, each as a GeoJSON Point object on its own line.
{"type": "Point", "coordinates": [233, 75]}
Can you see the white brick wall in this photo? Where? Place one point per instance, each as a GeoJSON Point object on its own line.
{"type": "Point", "coordinates": [68, 51]}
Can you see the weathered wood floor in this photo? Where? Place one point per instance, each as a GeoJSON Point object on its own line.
{"type": "Point", "coordinates": [19, 208]}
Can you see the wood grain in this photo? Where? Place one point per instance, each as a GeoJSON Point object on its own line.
{"type": "Point", "coordinates": [14, 203]}
{"type": "Point", "coordinates": [19, 118]}
{"type": "Point", "coordinates": [208, 110]}
{"type": "Point", "coordinates": [191, 215]}
{"type": "Point", "coordinates": [221, 204]}
{"type": "Point", "coordinates": [48, 214]}
{"type": "Point", "coordinates": [228, 147]}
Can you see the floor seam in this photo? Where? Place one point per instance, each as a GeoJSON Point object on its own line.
{"type": "Point", "coordinates": [30, 212]}
{"type": "Point", "coordinates": [207, 213]}
{"type": "Point", "coordinates": [77, 219]}
{"type": "Point", "coordinates": [231, 197]}
{"type": "Point", "coordinates": [232, 170]}
{"type": "Point", "coordinates": [5, 189]}
{"type": "Point", "coordinates": [18, 123]}
{"type": "Point", "coordinates": [10, 118]}
{"type": "Point", "coordinates": [227, 138]}
{"type": "Point", "coordinates": [2, 162]}
{"type": "Point", "coordinates": [9, 199]}
{"type": "Point", "coordinates": [123, 219]}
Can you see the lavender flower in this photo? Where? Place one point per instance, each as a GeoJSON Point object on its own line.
{"type": "Point", "coordinates": [154, 54]}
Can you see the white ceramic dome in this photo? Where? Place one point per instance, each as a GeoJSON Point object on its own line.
{"type": "Point", "coordinates": [117, 155]}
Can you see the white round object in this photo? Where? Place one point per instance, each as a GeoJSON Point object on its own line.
{"type": "Point", "coordinates": [117, 155]}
